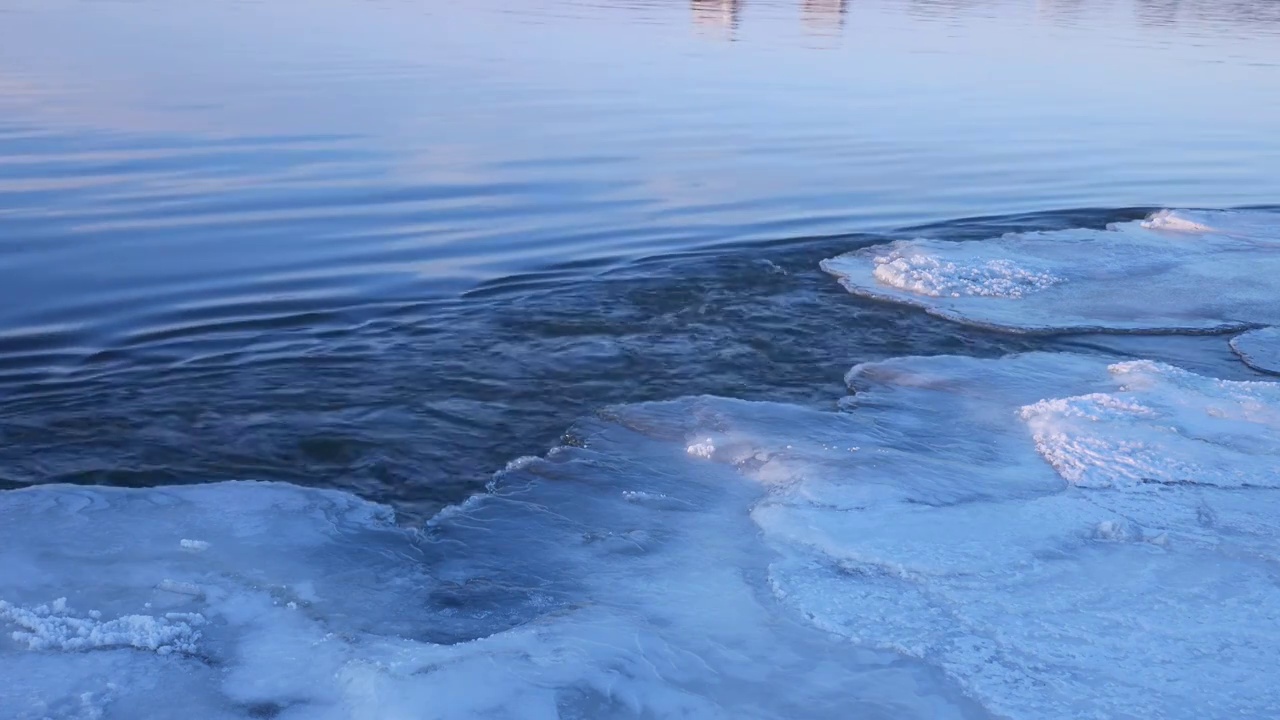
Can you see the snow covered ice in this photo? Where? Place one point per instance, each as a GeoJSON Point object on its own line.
{"type": "Point", "coordinates": [1197, 271]}
{"type": "Point", "coordinates": [1045, 535]}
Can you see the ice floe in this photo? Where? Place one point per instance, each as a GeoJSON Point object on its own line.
{"type": "Point", "coordinates": [1188, 271]}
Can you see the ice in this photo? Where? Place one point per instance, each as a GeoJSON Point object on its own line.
{"type": "Point", "coordinates": [1135, 583]}
{"type": "Point", "coordinates": [1259, 349]}
{"type": "Point", "coordinates": [108, 614]}
{"type": "Point", "coordinates": [563, 593]}
{"type": "Point", "coordinates": [1193, 271]}
{"type": "Point", "coordinates": [1260, 226]}
{"type": "Point", "coordinates": [56, 628]}
{"type": "Point", "coordinates": [703, 449]}
{"type": "Point", "coordinates": [924, 273]}
{"type": "Point", "coordinates": [1152, 428]}
{"type": "Point", "coordinates": [1038, 536]}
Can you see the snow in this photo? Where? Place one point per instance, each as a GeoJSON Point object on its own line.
{"type": "Point", "coordinates": [1196, 271]}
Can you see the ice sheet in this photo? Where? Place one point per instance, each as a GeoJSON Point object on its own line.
{"type": "Point", "coordinates": [566, 593]}
{"type": "Point", "coordinates": [1036, 536]}
{"type": "Point", "coordinates": [1196, 271]}
{"type": "Point", "coordinates": [1135, 582]}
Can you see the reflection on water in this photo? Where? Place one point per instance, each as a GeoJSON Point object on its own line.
{"type": "Point", "coordinates": [828, 16]}
{"type": "Point", "coordinates": [1064, 11]}
{"type": "Point", "coordinates": [824, 16]}
{"type": "Point", "coordinates": [719, 15]}
{"type": "Point", "coordinates": [1157, 12]}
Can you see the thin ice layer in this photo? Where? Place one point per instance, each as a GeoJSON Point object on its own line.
{"type": "Point", "coordinates": [597, 583]}
{"type": "Point", "coordinates": [1259, 349]}
{"type": "Point", "coordinates": [1197, 271]}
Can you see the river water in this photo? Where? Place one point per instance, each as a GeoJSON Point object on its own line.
{"type": "Point", "coordinates": [388, 247]}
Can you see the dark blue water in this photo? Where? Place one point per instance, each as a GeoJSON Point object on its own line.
{"type": "Point", "coordinates": [389, 246]}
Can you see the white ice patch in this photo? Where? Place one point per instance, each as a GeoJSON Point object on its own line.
{"type": "Point", "coordinates": [143, 624]}
{"type": "Point", "coordinates": [1163, 425]}
{"type": "Point", "coordinates": [1245, 225]}
{"type": "Point", "coordinates": [1177, 270]}
{"type": "Point", "coordinates": [1259, 349]}
{"type": "Point", "coordinates": [704, 449]}
{"type": "Point", "coordinates": [56, 627]}
{"type": "Point", "coordinates": [915, 270]}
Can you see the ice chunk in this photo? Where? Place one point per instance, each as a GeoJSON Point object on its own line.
{"type": "Point", "coordinates": [1202, 271]}
{"type": "Point", "coordinates": [1259, 349]}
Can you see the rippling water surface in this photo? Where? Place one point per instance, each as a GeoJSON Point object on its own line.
{"type": "Point", "coordinates": [389, 246]}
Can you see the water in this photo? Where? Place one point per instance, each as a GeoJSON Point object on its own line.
{"type": "Point", "coordinates": [389, 247]}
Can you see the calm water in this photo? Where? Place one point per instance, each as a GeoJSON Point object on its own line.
{"type": "Point", "coordinates": [390, 246]}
